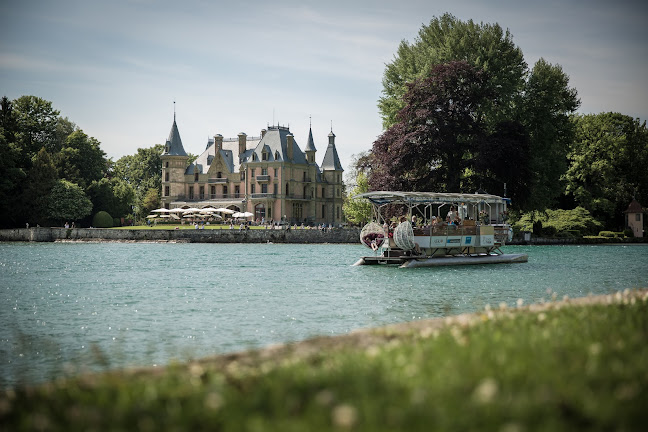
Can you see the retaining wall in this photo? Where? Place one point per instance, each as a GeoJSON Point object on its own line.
{"type": "Point", "coordinates": [346, 235]}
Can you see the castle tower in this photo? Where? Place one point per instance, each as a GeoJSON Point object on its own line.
{"type": "Point", "coordinates": [332, 173]}
{"type": "Point", "coordinates": [174, 163]}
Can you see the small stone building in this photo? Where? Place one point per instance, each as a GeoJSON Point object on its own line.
{"type": "Point", "coordinates": [634, 218]}
{"type": "Point", "coordinates": [267, 175]}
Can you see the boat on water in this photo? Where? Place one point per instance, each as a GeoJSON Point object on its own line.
{"type": "Point", "coordinates": [429, 229]}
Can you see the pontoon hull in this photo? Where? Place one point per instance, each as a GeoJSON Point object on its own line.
{"type": "Point", "coordinates": [413, 262]}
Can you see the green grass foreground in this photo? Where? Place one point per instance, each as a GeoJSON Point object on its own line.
{"type": "Point", "coordinates": [570, 365]}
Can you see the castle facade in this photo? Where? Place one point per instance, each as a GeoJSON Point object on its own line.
{"type": "Point", "coordinates": [267, 175]}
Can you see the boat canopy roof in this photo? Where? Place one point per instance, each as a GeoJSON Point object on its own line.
{"type": "Point", "coordinates": [386, 197]}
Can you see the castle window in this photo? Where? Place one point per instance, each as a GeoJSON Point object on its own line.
{"type": "Point", "coordinates": [237, 191]}
{"type": "Point", "coordinates": [276, 172]}
{"type": "Point", "coordinates": [253, 188]}
{"type": "Point", "coordinates": [167, 164]}
{"type": "Point", "coordinates": [195, 176]}
{"type": "Point", "coordinates": [276, 187]}
{"type": "Point", "coordinates": [259, 211]}
{"type": "Point", "coordinates": [277, 155]}
{"type": "Point", "coordinates": [254, 157]}
{"type": "Point", "coordinates": [191, 194]}
{"type": "Point", "coordinates": [264, 155]}
{"type": "Point", "coordinates": [166, 176]}
{"type": "Point", "coordinates": [252, 172]}
{"type": "Point", "coordinates": [224, 191]}
{"type": "Point", "coordinates": [219, 174]}
{"type": "Point", "coordinates": [166, 190]}
{"type": "Point", "coordinates": [264, 171]}
{"type": "Point", "coordinates": [264, 188]}
{"type": "Point", "coordinates": [243, 175]}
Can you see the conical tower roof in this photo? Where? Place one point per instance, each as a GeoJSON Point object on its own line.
{"type": "Point", "coordinates": [310, 145]}
{"type": "Point", "coordinates": [331, 160]}
{"type": "Point", "coordinates": [173, 145]}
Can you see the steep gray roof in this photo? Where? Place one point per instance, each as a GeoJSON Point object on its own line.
{"type": "Point", "coordinates": [173, 145]}
{"type": "Point", "coordinates": [310, 145]}
{"type": "Point", "coordinates": [331, 160]}
{"type": "Point", "coordinates": [274, 142]}
{"type": "Point", "coordinates": [229, 153]}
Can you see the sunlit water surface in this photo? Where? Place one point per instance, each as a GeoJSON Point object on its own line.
{"type": "Point", "coordinates": [71, 307]}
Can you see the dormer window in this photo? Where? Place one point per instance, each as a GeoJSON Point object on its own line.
{"type": "Point", "coordinates": [277, 155]}
{"type": "Point", "coordinates": [219, 174]}
{"type": "Point", "coordinates": [254, 157]}
{"type": "Point", "coordinates": [195, 176]}
{"type": "Point", "coordinates": [264, 156]}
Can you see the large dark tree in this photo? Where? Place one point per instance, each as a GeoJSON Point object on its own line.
{"type": "Point", "coordinates": [438, 132]}
{"type": "Point", "coordinates": [503, 159]}
{"type": "Point", "coordinates": [12, 165]}
{"type": "Point", "coordinates": [487, 47]}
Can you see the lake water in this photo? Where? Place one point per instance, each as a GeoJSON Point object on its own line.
{"type": "Point", "coordinates": [70, 307]}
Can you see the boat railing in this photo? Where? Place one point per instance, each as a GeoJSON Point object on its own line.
{"type": "Point", "coordinates": [445, 230]}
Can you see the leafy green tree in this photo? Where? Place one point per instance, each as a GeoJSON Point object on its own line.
{"type": "Point", "coordinates": [487, 47]}
{"type": "Point", "coordinates": [68, 202]}
{"type": "Point", "coordinates": [358, 211]}
{"type": "Point", "coordinates": [64, 127]}
{"type": "Point", "coordinates": [608, 160]}
{"type": "Point", "coordinates": [111, 195]}
{"type": "Point", "coordinates": [37, 122]}
{"type": "Point", "coordinates": [548, 104]}
{"type": "Point", "coordinates": [40, 180]}
{"type": "Point", "coordinates": [81, 160]}
{"type": "Point", "coordinates": [438, 132]}
{"type": "Point", "coordinates": [577, 222]}
{"type": "Point", "coordinates": [150, 202]}
{"type": "Point", "coordinates": [142, 171]}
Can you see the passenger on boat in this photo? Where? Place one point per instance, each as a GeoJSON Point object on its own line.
{"type": "Point", "coordinates": [451, 214]}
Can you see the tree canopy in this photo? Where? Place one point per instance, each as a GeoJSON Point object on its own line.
{"type": "Point", "coordinates": [487, 47]}
{"type": "Point", "coordinates": [438, 131]}
{"type": "Point", "coordinates": [39, 149]}
{"type": "Point", "coordinates": [608, 159]}
{"type": "Point", "coordinates": [514, 128]}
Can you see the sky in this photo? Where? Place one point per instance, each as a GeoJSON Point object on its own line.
{"type": "Point", "coordinates": [119, 68]}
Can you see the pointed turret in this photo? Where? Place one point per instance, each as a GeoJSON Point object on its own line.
{"type": "Point", "coordinates": [310, 148]}
{"type": "Point", "coordinates": [331, 160]}
{"type": "Point", "coordinates": [173, 146]}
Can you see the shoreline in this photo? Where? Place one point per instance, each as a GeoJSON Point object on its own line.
{"type": "Point", "coordinates": [295, 236]}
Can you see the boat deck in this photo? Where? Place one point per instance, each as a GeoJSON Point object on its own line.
{"type": "Point", "coordinates": [425, 261]}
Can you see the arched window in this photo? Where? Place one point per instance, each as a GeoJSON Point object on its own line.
{"type": "Point", "coordinates": [259, 211]}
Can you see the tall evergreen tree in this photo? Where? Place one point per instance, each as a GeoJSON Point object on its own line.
{"type": "Point", "coordinates": [548, 104]}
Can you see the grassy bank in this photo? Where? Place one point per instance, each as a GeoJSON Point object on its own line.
{"type": "Point", "coordinates": [571, 365]}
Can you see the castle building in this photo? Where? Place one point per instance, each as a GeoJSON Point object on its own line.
{"type": "Point", "coordinates": [268, 176]}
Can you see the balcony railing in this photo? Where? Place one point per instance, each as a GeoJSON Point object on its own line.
{"type": "Point", "coordinates": [263, 195]}
{"type": "Point", "coordinates": [197, 197]}
{"type": "Point", "coordinates": [263, 178]}
{"type": "Point", "coordinates": [218, 180]}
